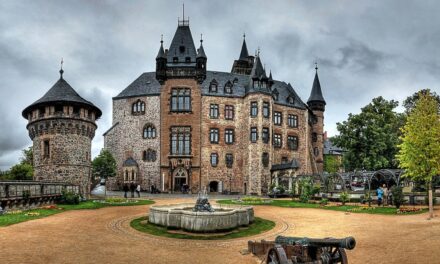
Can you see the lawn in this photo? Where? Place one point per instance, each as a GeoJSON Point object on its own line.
{"type": "Point", "coordinates": [334, 207]}
{"type": "Point", "coordinates": [26, 215]}
{"type": "Point", "coordinates": [259, 226]}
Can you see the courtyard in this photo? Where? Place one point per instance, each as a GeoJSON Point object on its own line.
{"type": "Point", "coordinates": [105, 236]}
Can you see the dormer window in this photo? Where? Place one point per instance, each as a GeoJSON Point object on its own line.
{"type": "Point", "coordinates": [138, 107]}
{"type": "Point", "coordinates": [290, 100]}
{"type": "Point", "coordinates": [175, 60]}
{"type": "Point", "coordinates": [187, 59]}
{"type": "Point", "coordinates": [275, 96]}
{"type": "Point", "coordinates": [228, 88]}
{"type": "Point", "coordinates": [213, 86]}
{"type": "Point", "coordinates": [235, 80]}
{"type": "Point", "coordinates": [182, 49]}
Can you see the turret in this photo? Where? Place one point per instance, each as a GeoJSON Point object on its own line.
{"type": "Point", "coordinates": [316, 101]}
{"type": "Point", "coordinates": [161, 63]}
{"type": "Point", "coordinates": [201, 62]}
{"type": "Point", "coordinates": [245, 62]}
{"type": "Point", "coordinates": [259, 78]}
{"type": "Point", "coordinates": [62, 125]}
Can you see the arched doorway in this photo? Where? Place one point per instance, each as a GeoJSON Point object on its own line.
{"type": "Point", "coordinates": [180, 178]}
{"type": "Point", "coordinates": [213, 186]}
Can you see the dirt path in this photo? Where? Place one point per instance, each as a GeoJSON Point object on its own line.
{"type": "Point", "coordinates": [104, 236]}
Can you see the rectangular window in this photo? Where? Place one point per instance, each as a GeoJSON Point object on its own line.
{"type": "Point", "coordinates": [213, 135]}
{"type": "Point", "coordinates": [266, 109]}
{"type": "Point", "coordinates": [292, 142]}
{"type": "Point", "coordinates": [180, 140]}
{"type": "Point", "coordinates": [214, 159]}
{"type": "Point", "coordinates": [265, 135]}
{"type": "Point", "coordinates": [46, 149]}
{"type": "Point", "coordinates": [180, 100]}
{"type": "Point", "coordinates": [292, 120]}
{"type": "Point", "coordinates": [229, 159]}
{"type": "Point", "coordinates": [284, 160]}
{"type": "Point", "coordinates": [277, 142]}
{"type": "Point", "coordinates": [229, 112]}
{"type": "Point", "coordinates": [229, 136]}
{"type": "Point", "coordinates": [277, 118]}
{"type": "Point", "coordinates": [254, 109]}
{"type": "Point", "coordinates": [254, 134]}
{"type": "Point", "coordinates": [213, 111]}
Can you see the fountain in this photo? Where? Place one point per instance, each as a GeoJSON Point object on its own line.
{"type": "Point", "coordinates": [202, 216]}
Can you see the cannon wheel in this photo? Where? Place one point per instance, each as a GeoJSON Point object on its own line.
{"type": "Point", "coordinates": [276, 255]}
{"type": "Point", "coordinates": [336, 255]}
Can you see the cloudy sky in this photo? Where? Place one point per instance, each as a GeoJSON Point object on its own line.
{"type": "Point", "coordinates": [364, 49]}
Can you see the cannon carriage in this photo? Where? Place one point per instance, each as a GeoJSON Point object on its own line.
{"type": "Point", "coordinates": [289, 250]}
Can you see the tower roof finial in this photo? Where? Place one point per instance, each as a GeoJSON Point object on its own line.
{"type": "Point", "coordinates": [183, 22]}
{"type": "Point", "coordinates": [61, 69]}
{"type": "Point", "coordinates": [201, 38]}
{"type": "Point", "coordinates": [161, 38]}
{"type": "Point", "coordinates": [316, 66]}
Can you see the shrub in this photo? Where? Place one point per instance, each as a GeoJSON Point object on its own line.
{"type": "Point", "coordinates": [306, 188]}
{"type": "Point", "coordinates": [344, 197]}
{"type": "Point", "coordinates": [397, 193]}
{"type": "Point", "coordinates": [323, 201]}
{"type": "Point", "coordinates": [69, 198]}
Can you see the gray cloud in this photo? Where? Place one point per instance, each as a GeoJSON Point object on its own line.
{"type": "Point", "coordinates": [364, 49]}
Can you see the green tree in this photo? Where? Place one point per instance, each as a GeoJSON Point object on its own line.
{"type": "Point", "coordinates": [332, 163]}
{"type": "Point", "coordinates": [28, 156]}
{"type": "Point", "coordinates": [370, 138]}
{"type": "Point", "coordinates": [104, 165]}
{"type": "Point", "coordinates": [410, 101]}
{"type": "Point", "coordinates": [419, 152]}
{"type": "Point", "coordinates": [21, 171]}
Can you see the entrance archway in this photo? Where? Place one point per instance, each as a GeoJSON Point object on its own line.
{"type": "Point", "coordinates": [180, 178]}
{"type": "Point", "coordinates": [213, 186]}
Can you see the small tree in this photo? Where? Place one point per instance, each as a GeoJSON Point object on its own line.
{"type": "Point", "coordinates": [21, 171]}
{"type": "Point", "coordinates": [419, 153]}
{"type": "Point", "coordinates": [104, 165]}
{"type": "Point", "coordinates": [28, 156]}
{"type": "Point", "coordinates": [397, 194]}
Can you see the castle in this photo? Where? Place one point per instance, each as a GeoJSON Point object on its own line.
{"type": "Point", "coordinates": [183, 126]}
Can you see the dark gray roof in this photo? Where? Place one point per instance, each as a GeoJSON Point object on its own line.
{"type": "Point", "coordinates": [182, 38]}
{"type": "Point", "coordinates": [294, 164]}
{"type": "Point", "coordinates": [258, 70]}
{"type": "Point", "coordinates": [244, 51]}
{"type": "Point", "coordinates": [316, 94]}
{"type": "Point", "coordinates": [61, 91]}
{"type": "Point", "coordinates": [146, 84]}
{"type": "Point", "coordinates": [201, 51]}
{"type": "Point", "coordinates": [161, 53]}
{"type": "Point", "coordinates": [130, 162]}
{"type": "Point", "coordinates": [331, 149]}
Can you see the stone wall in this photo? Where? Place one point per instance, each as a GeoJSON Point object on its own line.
{"type": "Point", "coordinates": [125, 139]}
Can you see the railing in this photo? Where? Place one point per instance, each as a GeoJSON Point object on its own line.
{"type": "Point", "coordinates": [10, 190]}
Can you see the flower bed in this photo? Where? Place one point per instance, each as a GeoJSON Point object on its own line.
{"type": "Point", "coordinates": [406, 210]}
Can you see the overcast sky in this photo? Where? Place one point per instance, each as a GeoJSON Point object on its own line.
{"type": "Point", "coordinates": [364, 49]}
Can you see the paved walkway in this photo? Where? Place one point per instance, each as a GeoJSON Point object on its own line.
{"type": "Point", "coordinates": [104, 236]}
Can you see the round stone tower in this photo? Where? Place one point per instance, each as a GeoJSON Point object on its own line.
{"type": "Point", "coordinates": [62, 126]}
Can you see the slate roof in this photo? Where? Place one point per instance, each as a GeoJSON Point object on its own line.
{"type": "Point", "coordinates": [331, 149]}
{"type": "Point", "coordinates": [316, 94]}
{"type": "Point", "coordinates": [201, 51]}
{"type": "Point", "coordinates": [293, 164]}
{"type": "Point", "coordinates": [182, 38]}
{"type": "Point", "coordinates": [130, 162]}
{"type": "Point", "coordinates": [147, 85]}
{"type": "Point", "coordinates": [244, 51]}
{"type": "Point", "coordinates": [61, 91]}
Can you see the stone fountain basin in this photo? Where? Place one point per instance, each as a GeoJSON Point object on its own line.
{"type": "Point", "coordinates": [182, 216]}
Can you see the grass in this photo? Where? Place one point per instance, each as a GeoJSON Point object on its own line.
{"type": "Point", "coordinates": [343, 208]}
{"type": "Point", "coordinates": [259, 226]}
{"type": "Point", "coordinates": [10, 219]}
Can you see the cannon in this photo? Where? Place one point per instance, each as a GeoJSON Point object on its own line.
{"type": "Point", "coordinates": [289, 250]}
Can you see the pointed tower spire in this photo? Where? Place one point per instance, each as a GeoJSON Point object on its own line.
{"type": "Point", "coordinates": [316, 100]}
{"type": "Point", "coordinates": [161, 53]}
{"type": "Point", "coordinates": [244, 54]}
{"type": "Point", "coordinates": [201, 51]}
{"type": "Point", "coordinates": [61, 69]}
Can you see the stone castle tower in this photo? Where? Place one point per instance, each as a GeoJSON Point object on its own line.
{"type": "Point", "coordinates": [62, 126]}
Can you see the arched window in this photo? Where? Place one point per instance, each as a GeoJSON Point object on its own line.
{"type": "Point", "coordinates": [213, 86]}
{"type": "Point", "coordinates": [149, 131]}
{"type": "Point", "coordinates": [228, 88]}
{"type": "Point", "coordinates": [149, 155]}
{"type": "Point", "coordinates": [138, 107]}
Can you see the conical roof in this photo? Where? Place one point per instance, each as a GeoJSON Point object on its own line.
{"type": "Point", "coordinates": [257, 70]}
{"type": "Point", "coordinates": [182, 46]}
{"type": "Point", "coordinates": [161, 53]}
{"type": "Point", "coordinates": [244, 51]}
{"type": "Point", "coordinates": [201, 51]}
{"type": "Point", "coordinates": [61, 91]}
{"type": "Point", "coordinates": [316, 94]}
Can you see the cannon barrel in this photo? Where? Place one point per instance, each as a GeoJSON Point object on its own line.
{"type": "Point", "coordinates": [348, 242]}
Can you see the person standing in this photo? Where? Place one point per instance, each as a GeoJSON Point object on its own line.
{"type": "Point", "coordinates": [379, 195]}
{"type": "Point", "coordinates": [138, 190]}
{"type": "Point", "coordinates": [125, 188]}
{"type": "Point", "coordinates": [385, 195]}
{"type": "Point", "coordinates": [132, 189]}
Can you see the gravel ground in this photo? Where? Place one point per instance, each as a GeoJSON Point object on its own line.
{"type": "Point", "coordinates": [104, 236]}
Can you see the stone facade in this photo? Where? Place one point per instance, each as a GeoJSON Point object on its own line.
{"type": "Point", "coordinates": [126, 140]}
